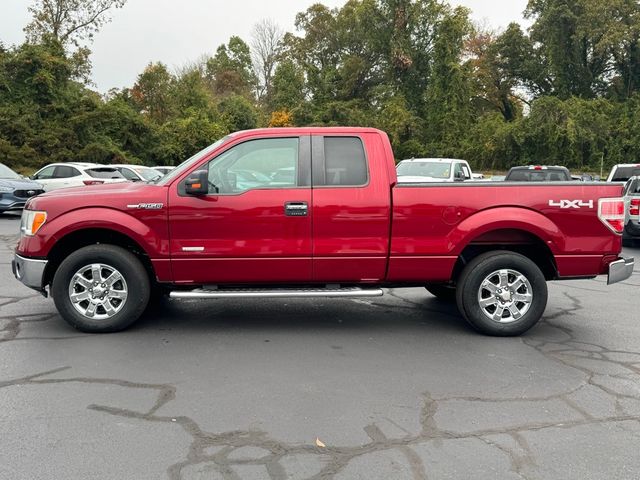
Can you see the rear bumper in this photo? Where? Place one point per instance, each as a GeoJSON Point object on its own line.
{"type": "Point", "coordinates": [29, 271]}
{"type": "Point", "coordinates": [620, 270]}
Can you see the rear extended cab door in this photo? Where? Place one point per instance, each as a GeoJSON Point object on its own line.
{"type": "Point", "coordinates": [351, 207]}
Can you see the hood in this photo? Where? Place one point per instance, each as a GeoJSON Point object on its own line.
{"type": "Point", "coordinates": [20, 184]}
{"type": "Point", "coordinates": [109, 195]}
{"type": "Point", "coordinates": [89, 192]}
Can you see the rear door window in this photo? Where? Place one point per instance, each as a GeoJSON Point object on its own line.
{"type": "Point", "coordinates": [65, 171]}
{"type": "Point", "coordinates": [345, 163]}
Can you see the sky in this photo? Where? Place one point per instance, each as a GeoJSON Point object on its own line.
{"type": "Point", "coordinates": [179, 31]}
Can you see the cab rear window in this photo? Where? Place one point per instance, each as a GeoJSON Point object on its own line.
{"type": "Point", "coordinates": [538, 176]}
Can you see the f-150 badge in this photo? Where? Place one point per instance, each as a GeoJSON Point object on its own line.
{"type": "Point", "coordinates": [571, 204]}
{"type": "Point", "coordinates": [147, 206]}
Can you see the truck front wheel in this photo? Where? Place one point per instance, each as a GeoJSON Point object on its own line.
{"type": "Point", "coordinates": [101, 288]}
{"type": "Point", "coordinates": [502, 293]}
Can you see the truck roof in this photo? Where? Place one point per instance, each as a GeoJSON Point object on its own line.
{"type": "Point", "coordinates": [307, 130]}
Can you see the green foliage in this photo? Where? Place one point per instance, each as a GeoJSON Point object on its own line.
{"type": "Point", "coordinates": [230, 69]}
{"type": "Point", "coordinates": [566, 91]}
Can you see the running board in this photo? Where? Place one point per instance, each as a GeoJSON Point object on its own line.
{"type": "Point", "coordinates": [278, 293]}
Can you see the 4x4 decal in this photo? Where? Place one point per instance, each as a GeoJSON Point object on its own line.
{"type": "Point", "coordinates": [571, 203]}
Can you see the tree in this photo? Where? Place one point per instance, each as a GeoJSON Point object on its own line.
{"type": "Point", "coordinates": [570, 34]}
{"type": "Point", "coordinates": [448, 95]}
{"type": "Point", "coordinates": [230, 70]}
{"type": "Point", "coordinates": [152, 92]}
{"type": "Point", "coordinates": [288, 86]}
{"type": "Point", "coordinates": [494, 86]}
{"type": "Point", "coordinates": [238, 113]}
{"type": "Point", "coordinates": [266, 46]}
{"type": "Point", "coordinates": [68, 21]}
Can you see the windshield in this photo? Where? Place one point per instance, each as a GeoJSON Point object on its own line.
{"type": "Point", "coordinates": [622, 174]}
{"type": "Point", "coordinates": [424, 169]}
{"type": "Point", "coordinates": [148, 173]}
{"type": "Point", "coordinates": [184, 166]}
{"type": "Point", "coordinates": [6, 172]}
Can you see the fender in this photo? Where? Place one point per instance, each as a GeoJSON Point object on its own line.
{"type": "Point", "coordinates": [154, 243]}
{"type": "Point", "coordinates": [500, 218]}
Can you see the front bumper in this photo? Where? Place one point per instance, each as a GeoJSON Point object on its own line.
{"type": "Point", "coordinates": [620, 270]}
{"type": "Point", "coordinates": [12, 206]}
{"type": "Point", "coordinates": [29, 271]}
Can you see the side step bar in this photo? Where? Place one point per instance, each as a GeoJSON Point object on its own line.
{"type": "Point", "coordinates": [278, 293]}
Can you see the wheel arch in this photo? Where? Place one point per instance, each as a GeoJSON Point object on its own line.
{"type": "Point", "coordinates": [84, 237]}
{"type": "Point", "coordinates": [510, 240]}
{"type": "Point", "coordinates": [515, 229]}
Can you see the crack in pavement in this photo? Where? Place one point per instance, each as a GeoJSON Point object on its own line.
{"type": "Point", "coordinates": [614, 374]}
{"type": "Point", "coordinates": [336, 458]}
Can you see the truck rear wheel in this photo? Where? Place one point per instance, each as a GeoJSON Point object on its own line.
{"type": "Point", "coordinates": [502, 293]}
{"type": "Point", "coordinates": [101, 288]}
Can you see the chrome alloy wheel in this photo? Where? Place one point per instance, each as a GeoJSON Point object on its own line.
{"type": "Point", "coordinates": [98, 291]}
{"type": "Point", "coordinates": [505, 296]}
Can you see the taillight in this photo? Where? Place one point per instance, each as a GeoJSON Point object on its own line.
{"type": "Point", "coordinates": [93, 182]}
{"type": "Point", "coordinates": [611, 213]}
{"type": "Point", "coordinates": [634, 207]}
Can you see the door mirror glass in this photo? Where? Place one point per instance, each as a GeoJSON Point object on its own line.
{"type": "Point", "coordinates": [197, 183]}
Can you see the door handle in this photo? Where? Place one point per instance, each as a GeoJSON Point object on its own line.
{"type": "Point", "coordinates": [296, 209]}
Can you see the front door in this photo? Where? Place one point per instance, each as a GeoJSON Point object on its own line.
{"type": "Point", "coordinates": [254, 226]}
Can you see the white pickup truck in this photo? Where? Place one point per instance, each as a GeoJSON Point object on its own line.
{"type": "Point", "coordinates": [427, 170]}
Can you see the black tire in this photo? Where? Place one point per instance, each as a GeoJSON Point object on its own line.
{"type": "Point", "coordinates": [445, 293]}
{"type": "Point", "coordinates": [473, 276]}
{"type": "Point", "coordinates": [130, 268]}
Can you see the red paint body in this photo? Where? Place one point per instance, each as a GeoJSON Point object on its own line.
{"type": "Point", "coordinates": [380, 233]}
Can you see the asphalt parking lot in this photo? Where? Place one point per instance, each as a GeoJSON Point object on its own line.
{"type": "Point", "coordinates": [394, 388]}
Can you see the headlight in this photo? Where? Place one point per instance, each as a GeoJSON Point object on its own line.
{"type": "Point", "coordinates": [32, 221]}
{"type": "Point", "coordinates": [6, 189]}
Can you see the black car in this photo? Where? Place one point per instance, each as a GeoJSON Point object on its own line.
{"type": "Point", "coordinates": [538, 173]}
{"type": "Point", "coordinates": [631, 194]}
{"type": "Point", "coordinates": [15, 190]}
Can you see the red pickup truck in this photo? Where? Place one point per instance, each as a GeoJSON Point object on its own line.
{"type": "Point", "coordinates": [315, 212]}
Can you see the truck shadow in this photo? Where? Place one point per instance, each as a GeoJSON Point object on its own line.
{"type": "Point", "coordinates": [384, 314]}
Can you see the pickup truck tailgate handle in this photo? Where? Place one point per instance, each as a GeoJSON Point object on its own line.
{"type": "Point", "coordinates": [295, 209]}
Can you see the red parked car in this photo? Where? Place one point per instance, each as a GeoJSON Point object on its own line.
{"type": "Point", "coordinates": [322, 214]}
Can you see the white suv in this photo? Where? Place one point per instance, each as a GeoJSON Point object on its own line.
{"type": "Point", "coordinates": [73, 174]}
{"type": "Point", "coordinates": [427, 170]}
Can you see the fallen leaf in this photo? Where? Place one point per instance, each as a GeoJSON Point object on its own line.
{"type": "Point", "coordinates": [319, 443]}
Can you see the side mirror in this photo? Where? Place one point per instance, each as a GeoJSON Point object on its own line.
{"type": "Point", "coordinates": [197, 183]}
{"type": "Point", "coordinates": [32, 177]}
{"type": "Point", "coordinates": [459, 176]}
